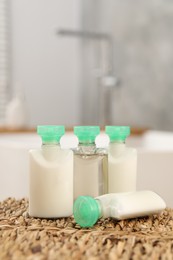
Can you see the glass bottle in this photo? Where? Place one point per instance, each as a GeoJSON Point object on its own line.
{"type": "Point", "coordinates": [51, 176]}
{"type": "Point", "coordinates": [88, 210]}
{"type": "Point", "coordinates": [122, 161]}
{"type": "Point", "coordinates": [90, 163]}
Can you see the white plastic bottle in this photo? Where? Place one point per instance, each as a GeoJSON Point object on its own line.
{"type": "Point", "coordinates": [90, 163]}
{"type": "Point", "coordinates": [122, 161]}
{"type": "Point", "coordinates": [51, 176]}
{"type": "Point", "coordinates": [17, 115]}
{"type": "Point", "coordinates": [88, 210]}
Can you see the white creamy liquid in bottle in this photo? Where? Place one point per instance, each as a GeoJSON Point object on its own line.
{"type": "Point", "coordinates": [51, 176]}
{"type": "Point", "coordinates": [130, 204]}
{"type": "Point", "coordinates": [88, 210]}
{"type": "Point", "coordinates": [90, 164]}
{"type": "Point", "coordinates": [122, 161]}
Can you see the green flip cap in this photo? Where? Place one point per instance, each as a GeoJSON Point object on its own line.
{"type": "Point", "coordinates": [50, 133]}
{"type": "Point", "coordinates": [86, 211]}
{"type": "Point", "coordinates": [86, 133]}
{"type": "Point", "coordinates": [117, 132]}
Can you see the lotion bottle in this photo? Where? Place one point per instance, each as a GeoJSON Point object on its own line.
{"type": "Point", "coordinates": [88, 210]}
{"type": "Point", "coordinates": [122, 161]}
{"type": "Point", "coordinates": [90, 163]}
{"type": "Point", "coordinates": [51, 176]}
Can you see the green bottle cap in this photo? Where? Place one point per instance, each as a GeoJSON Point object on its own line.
{"type": "Point", "coordinates": [50, 133]}
{"type": "Point", "coordinates": [86, 133]}
{"type": "Point", "coordinates": [86, 211]}
{"type": "Point", "coordinates": [117, 132]}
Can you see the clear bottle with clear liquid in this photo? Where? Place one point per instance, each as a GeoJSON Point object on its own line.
{"type": "Point", "coordinates": [90, 163]}
{"type": "Point", "coordinates": [51, 176]}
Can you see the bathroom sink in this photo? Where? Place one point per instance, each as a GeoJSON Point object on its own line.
{"type": "Point", "coordinates": [155, 161]}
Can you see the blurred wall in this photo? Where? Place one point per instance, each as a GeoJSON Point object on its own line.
{"type": "Point", "coordinates": [58, 76]}
{"type": "Point", "coordinates": [143, 58]}
{"type": "Point", "coordinates": [143, 37]}
{"type": "Point", "coordinates": [43, 64]}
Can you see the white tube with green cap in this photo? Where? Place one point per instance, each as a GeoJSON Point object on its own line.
{"type": "Point", "coordinates": [88, 210]}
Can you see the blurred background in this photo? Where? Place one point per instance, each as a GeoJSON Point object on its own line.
{"type": "Point", "coordinates": [86, 62]}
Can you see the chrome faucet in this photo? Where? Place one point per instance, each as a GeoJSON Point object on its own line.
{"type": "Point", "coordinates": [106, 80]}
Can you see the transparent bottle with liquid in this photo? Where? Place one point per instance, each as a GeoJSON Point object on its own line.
{"type": "Point", "coordinates": [90, 163]}
{"type": "Point", "coordinates": [122, 161]}
{"type": "Point", "coordinates": [88, 210]}
{"type": "Point", "coordinates": [51, 176]}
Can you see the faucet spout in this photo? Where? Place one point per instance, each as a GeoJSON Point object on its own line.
{"type": "Point", "coordinates": [84, 34]}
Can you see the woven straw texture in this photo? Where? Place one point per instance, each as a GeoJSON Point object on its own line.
{"type": "Point", "coordinates": [23, 237]}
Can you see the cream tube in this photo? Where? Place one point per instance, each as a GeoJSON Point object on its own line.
{"type": "Point", "coordinates": [88, 210]}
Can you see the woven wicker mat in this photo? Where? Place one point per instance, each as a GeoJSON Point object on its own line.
{"type": "Point", "coordinates": [23, 237]}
